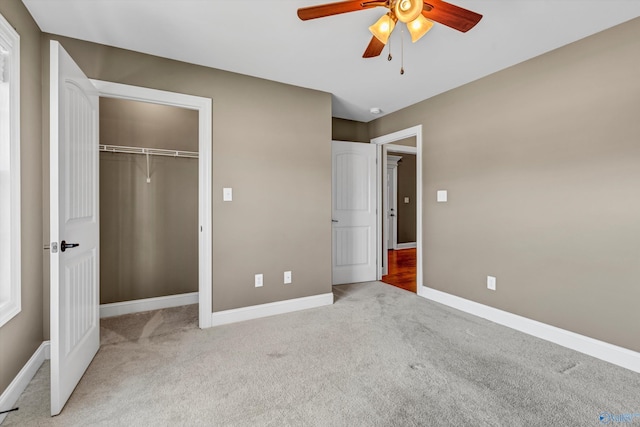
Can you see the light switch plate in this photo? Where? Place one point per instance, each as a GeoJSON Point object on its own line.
{"type": "Point", "coordinates": [442, 196]}
{"type": "Point", "coordinates": [491, 283]}
{"type": "Point", "coordinates": [406, 200]}
{"type": "Point", "coordinates": [258, 280]}
{"type": "Point", "coordinates": [287, 277]}
{"type": "Point", "coordinates": [227, 194]}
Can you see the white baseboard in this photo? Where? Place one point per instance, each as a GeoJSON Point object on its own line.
{"type": "Point", "coordinates": [139, 305]}
{"type": "Point", "coordinates": [270, 309]}
{"type": "Point", "coordinates": [11, 395]}
{"type": "Point", "coordinates": [407, 245]}
{"type": "Point", "coordinates": [599, 349]}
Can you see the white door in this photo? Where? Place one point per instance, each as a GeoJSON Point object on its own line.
{"type": "Point", "coordinates": [75, 322]}
{"type": "Point", "coordinates": [354, 212]}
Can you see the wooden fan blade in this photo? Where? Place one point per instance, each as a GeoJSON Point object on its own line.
{"type": "Point", "coordinates": [452, 16]}
{"type": "Point", "coordinates": [320, 11]}
{"type": "Point", "coordinates": [374, 49]}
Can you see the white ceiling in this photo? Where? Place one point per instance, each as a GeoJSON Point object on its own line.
{"type": "Point", "coordinates": [265, 38]}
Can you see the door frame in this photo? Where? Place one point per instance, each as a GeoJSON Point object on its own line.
{"type": "Point", "coordinates": [415, 131]}
{"type": "Point", "coordinates": [204, 108]}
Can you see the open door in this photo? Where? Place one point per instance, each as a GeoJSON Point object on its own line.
{"type": "Point", "coordinates": [354, 212]}
{"type": "Point", "coordinates": [75, 297]}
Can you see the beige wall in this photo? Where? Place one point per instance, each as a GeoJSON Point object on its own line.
{"type": "Point", "coordinates": [21, 336]}
{"type": "Point", "coordinates": [349, 130]}
{"type": "Point", "coordinates": [144, 124]}
{"type": "Point", "coordinates": [271, 144]}
{"type": "Point", "coordinates": [148, 231]}
{"type": "Point", "coordinates": [407, 142]}
{"type": "Point", "coordinates": [541, 162]}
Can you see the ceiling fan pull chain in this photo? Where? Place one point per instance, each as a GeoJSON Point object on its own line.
{"type": "Point", "coordinates": [401, 51]}
{"type": "Point", "coordinates": [389, 57]}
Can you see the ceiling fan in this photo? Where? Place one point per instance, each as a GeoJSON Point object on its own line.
{"type": "Point", "coordinates": [418, 15]}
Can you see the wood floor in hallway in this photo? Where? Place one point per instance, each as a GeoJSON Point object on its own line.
{"type": "Point", "coordinates": [402, 269]}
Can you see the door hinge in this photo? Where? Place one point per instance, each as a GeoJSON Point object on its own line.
{"type": "Point", "coordinates": [54, 247]}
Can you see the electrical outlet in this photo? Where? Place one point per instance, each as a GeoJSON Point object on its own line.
{"type": "Point", "coordinates": [491, 283]}
{"type": "Point", "coordinates": [259, 280]}
{"type": "Point", "coordinates": [287, 277]}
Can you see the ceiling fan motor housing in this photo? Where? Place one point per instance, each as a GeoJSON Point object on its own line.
{"type": "Point", "coordinates": [407, 10]}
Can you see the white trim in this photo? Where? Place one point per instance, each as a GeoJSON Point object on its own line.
{"type": "Point", "coordinates": [13, 392]}
{"type": "Point", "coordinates": [204, 108]}
{"type": "Point", "coordinates": [404, 149]}
{"type": "Point", "coordinates": [270, 309]}
{"type": "Point", "coordinates": [392, 161]}
{"type": "Point", "coordinates": [389, 138]}
{"type": "Point", "coordinates": [407, 245]}
{"type": "Point", "coordinates": [146, 304]}
{"type": "Point", "coordinates": [381, 256]}
{"type": "Point", "coordinates": [599, 349]}
{"type": "Point", "coordinates": [12, 304]}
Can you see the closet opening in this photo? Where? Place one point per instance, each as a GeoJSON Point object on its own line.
{"type": "Point", "coordinates": [149, 207]}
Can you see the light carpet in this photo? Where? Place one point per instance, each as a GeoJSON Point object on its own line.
{"type": "Point", "coordinates": [378, 356]}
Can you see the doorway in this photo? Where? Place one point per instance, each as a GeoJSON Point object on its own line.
{"type": "Point", "coordinates": [204, 226]}
{"type": "Point", "coordinates": [74, 147]}
{"type": "Point", "coordinates": [148, 206]}
{"type": "Point", "coordinates": [398, 143]}
{"type": "Point", "coordinates": [400, 209]}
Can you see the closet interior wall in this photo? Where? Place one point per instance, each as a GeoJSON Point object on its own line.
{"type": "Point", "coordinates": [148, 230]}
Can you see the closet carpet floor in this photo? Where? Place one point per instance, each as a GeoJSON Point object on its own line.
{"type": "Point", "coordinates": [378, 356]}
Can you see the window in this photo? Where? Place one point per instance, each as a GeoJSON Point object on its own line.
{"type": "Point", "coordinates": [9, 172]}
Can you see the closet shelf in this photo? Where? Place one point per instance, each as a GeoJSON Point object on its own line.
{"type": "Point", "coordinates": [148, 151]}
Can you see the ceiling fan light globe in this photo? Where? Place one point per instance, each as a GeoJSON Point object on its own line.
{"type": "Point", "coordinates": [383, 28]}
{"type": "Point", "coordinates": [419, 27]}
{"type": "Point", "coordinates": [408, 10]}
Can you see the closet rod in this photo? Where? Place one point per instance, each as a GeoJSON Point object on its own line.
{"type": "Point", "coordinates": [148, 151]}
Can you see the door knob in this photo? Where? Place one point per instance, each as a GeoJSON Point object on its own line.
{"type": "Point", "coordinates": [64, 245]}
{"type": "Point", "coordinates": [334, 220]}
